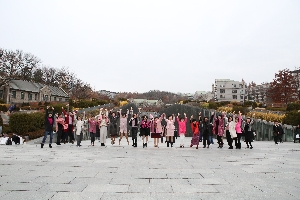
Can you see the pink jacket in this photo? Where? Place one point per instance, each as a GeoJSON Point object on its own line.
{"type": "Point", "coordinates": [93, 124]}
{"type": "Point", "coordinates": [238, 126]}
{"type": "Point", "coordinates": [61, 121]}
{"type": "Point", "coordinates": [220, 126]}
{"type": "Point", "coordinates": [158, 126]}
{"type": "Point", "coordinates": [181, 125]}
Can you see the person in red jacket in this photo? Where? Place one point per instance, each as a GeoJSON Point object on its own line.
{"type": "Point", "coordinates": [195, 130]}
{"type": "Point", "coordinates": [69, 120]}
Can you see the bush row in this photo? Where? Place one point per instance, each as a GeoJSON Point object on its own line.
{"type": "Point", "coordinates": [87, 103]}
{"type": "Point", "coordinates": [22, 123]}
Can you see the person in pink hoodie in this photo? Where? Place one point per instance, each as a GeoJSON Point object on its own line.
{"type": "Point", "coordinates": [156, 128]}
{"type": "Point", "coordinates": [238, 128]}
{"type": "Point", "coordinates": [181, 128]}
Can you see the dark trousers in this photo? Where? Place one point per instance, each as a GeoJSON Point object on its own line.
{"type": "Point", "coordinates": [59, 134]}
{"type": "Point", "coordinates": [79, 138]}
{"type": "Point", "coordinates": [238, 139]}
{"type": "Point", "coordinates": [92, 137]}
{"type": "Point", "coordinates": [206, 140]}
{"type": "Point", "coordinates": [229, 139]}
{"type": "Point", "coordinates": [220, 141]}
{"type": "Point", "coordinates": [70, 133]}
{"type": "Point", "coordinates": [276, 139]}
{"type": "Point", "coordinates": [280, 138]}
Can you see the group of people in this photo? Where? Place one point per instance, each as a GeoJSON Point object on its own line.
{"type": "Point", "coordinates": [157, 127]}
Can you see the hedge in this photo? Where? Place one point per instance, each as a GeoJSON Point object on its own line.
{"type": "Point", "coordinates": [3, 108]}
{"type": "Point", "coordinates": [22, 123]}
{"type": "Point", "coordinates": [292, 118]}
{"type": "Point", "coordinates": [293, 106]}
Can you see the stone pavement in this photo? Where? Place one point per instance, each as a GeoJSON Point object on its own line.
{"type": "Point", "coordinates": [123, 172]}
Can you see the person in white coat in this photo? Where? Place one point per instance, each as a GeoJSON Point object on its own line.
{"type": "Point", "coordinates": [79, 127]}
{"type": "Point", "coordinates": [232, 130]}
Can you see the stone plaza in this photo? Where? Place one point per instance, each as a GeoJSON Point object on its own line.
{"type": "Point", "coordinates": [267, 171]}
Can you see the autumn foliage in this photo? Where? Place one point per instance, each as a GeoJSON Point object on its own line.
{"type": "Point", "coordinates": [284, 88]}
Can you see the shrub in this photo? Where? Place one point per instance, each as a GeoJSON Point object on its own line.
{"type": "Point", "coordinates": [36, 134]}
{"type": "Point", "coordinates": [271, 117]}
{"type": "Point", "coordinates": [276, 109]}
{"type": "Point", "coordinates": [213, 105]}
{"type": "Point", "coordinates": [2, 101]}
{"type": "Point", "coordinates": [242, 109]}
{"type": "Point", "coordinates": [293, 106]}
{"type": "Point", "coordinates": [292, 118]}
{"type": "Point", "coordinates": [3, 108]}
{"type": "Point", "coordinates": [22, 123]}
{"type": "Point", "coordinates": [250, 103]}
{"type": "Point", "coordinates": [225, 108]}
{"type": "Point", "coordinates": [6, 129]}
{"type": "Point", "coordinates": [204, 105]}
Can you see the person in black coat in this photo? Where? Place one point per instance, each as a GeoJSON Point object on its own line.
{"type": "Point", "coordinates": [276, 130]}
{"type": "Point", "coordinates": [206, 131]}
{"type": "Point", "coordinates": [49, 121]}
{"type": "Point", "coordinates": [281, 132]}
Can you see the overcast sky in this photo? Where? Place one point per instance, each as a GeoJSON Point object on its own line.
{"type": "Point", "coordinates": [177, 46]}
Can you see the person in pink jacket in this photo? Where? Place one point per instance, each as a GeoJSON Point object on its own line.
{"type": "Point", "coordinates": [92, 124]}
{"type": "Point", "coordinates": [170, 129]}
{"type": "Point", "coordinates": [238, 128]}
{"type": "Point", "coordinates": [123, 125]}
{"type": "Point", "coordinates": [181, 128]}
{"type": "Point", "coordinates": [219, 128]}
{"type": "Point", "coordinates": [156, 128]}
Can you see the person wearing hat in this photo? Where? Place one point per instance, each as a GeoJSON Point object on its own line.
{"type": "Point", "coordinates": [49, 121]}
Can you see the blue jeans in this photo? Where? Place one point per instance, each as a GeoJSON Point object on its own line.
{"type": "Point", "coordinates": [210, 139]}
{"type": "Point", "coordinates": [45, 136]}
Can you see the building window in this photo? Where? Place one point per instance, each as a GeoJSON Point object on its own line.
{"type": "Point", "coordinates": [242, 97]}
{"type": "Point", "coordinates": [29, 96]}
{"type": "Point", "coordinates": [234, 96]}
{"type": "Point", "coordinates": [45, 97]}
{"type": "Point", "coordinates": [22, 95]}
{"type": "Point", "coordinates": [222, 90]}
{"type": "Point", "coordinates": [234, 85]}
{"type": "Point", "coordinates": [245, 97]}
{"type": "Point", "coordinates": [1, 94]}
{"type": "Point", "coordinates": [14, 94]}
{"type": "Point", "coordinates": [234, 91]}
{"type": "Point", "coordinates": [54, 99]}
{"type": "Point", "coordinates": [222, 96]}
{"type": "Point", "coordinates": [241, 85]}
{"type": "Point", "coordinates": [60, 99]}
{"type": "Point", "coordinates": [35, 96]}
{"type": "Point", "coordinates": [222, 85]}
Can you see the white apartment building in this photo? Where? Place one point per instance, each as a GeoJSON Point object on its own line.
{"type": "Point", "coordinates": [230, 90]}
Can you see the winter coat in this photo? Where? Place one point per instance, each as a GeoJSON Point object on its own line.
{"type": "Point", "coordinates": [238, 126]}
{"type": "Point", "coordinates": [232, 130]}
{"type": "Point", "coordinates": [156, 124]}
{"type": "Point", "coordinates": [219, 126]}
{"type": "Point", "coordinates": [92, 125]}
{"type": "Point", "coordinates": [170, 127]}
{"type": "Point", "coordinates": [49, 121]}
{"type": "Point", "coordinates": [195, 127]}
{"type": "Point", "coordinates": [181, 125]}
